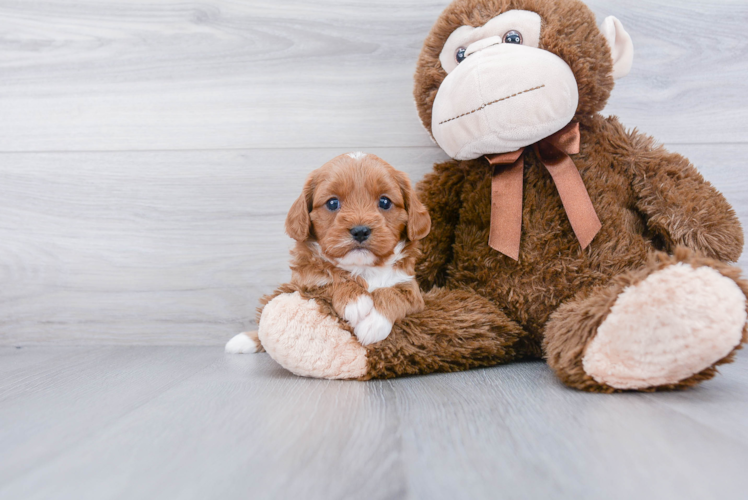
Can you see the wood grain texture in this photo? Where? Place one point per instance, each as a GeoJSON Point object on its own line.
{"type": "Point", "coordinates": [150, 150]}
{"type": "Point", "coordinates": [100, 75]}
{"type": "Point", "coordinates": [155, 247]}
{"type": "Point", "coordinates": [148, 154]}
{"type": "Point", "coordinates": [174, 247]}
{"type": "Point", "coordinates": [193, 423]}
{"type": "Point", "coordinates": [55, 404]}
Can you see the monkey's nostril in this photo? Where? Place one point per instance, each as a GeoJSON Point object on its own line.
{"type": "Point", "coordinates": [361, 233]}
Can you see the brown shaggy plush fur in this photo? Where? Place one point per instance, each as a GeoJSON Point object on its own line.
{"type": "Point", "coordinates": [467, 331]}
{"type": "Point", "coordinates": [489, 308]}
{"type": "Point", "coordinates": [484, 308]}
{"type": "Point", "coordinates": [573, 325]}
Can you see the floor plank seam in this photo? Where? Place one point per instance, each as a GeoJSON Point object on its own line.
{"type": "Point", "coordinates": [717, 430]}
{"type": "Point", "coordinates": [84, 439]}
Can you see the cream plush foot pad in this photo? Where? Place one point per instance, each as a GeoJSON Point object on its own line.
{"type": "Point", "coordinates": [308, 343]}
{"type": "Point", "coordinates": [674, 324]}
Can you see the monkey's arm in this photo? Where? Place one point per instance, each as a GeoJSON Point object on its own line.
{"type": "Point", "coordinates": [441, 192]}
{"type": "Point", "coordinates": [680, 205]}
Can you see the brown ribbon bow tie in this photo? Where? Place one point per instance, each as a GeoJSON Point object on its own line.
{"type": "Point", "coordinates": [506, 191]}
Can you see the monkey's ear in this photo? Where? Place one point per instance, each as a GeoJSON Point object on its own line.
{"type": "Point", "coordinates": [621, 46]}
{"type": "Point", "coordinates": [419, 220]}
{"type": "Point", "coordinates": [298, 220]}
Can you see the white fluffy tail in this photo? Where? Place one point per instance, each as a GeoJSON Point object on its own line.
{"type": "Point", "coordinates": [244, 343]}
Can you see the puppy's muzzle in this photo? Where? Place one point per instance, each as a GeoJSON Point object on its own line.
{"type": "Point", "coordinates": [361, 233]}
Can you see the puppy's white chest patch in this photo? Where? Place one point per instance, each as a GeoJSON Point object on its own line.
{"type": "Point", "coordinates": [384, 277]}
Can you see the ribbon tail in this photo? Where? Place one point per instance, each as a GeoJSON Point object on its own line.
{"type": "Point", "coordinates": [582, 216]}
{"type": "Point", "coordinates": [506, 208]}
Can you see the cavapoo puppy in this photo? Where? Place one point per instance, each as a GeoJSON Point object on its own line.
{"type": "Point", "coordinates": [357, 225]}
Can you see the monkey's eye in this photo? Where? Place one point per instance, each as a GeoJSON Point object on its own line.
{"type": "Point", "coordinates": [513, 37]}
{"type": "Point", "coordinates": [385, 203]}
{"type": "Point", "coordinates": [333, 204]}
{"type": "Point", "coordinates": [460, 55]}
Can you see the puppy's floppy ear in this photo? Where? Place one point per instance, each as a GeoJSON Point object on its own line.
{"type": "Point", "coordinates": [298, 221]}
{"type": "Point", "coordinates": [419, 221]}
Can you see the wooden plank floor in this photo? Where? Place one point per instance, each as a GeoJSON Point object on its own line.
{"type": "Point", "coordinates": [194, 423]}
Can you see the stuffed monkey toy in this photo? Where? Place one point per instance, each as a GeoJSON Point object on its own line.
{"type": "Point", "coordinates": [556, 233]}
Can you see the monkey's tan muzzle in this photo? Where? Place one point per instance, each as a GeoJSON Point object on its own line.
{"type": "Point", "coordinates": [501, 98]}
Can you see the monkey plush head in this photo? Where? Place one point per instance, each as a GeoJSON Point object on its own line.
{"type": "Point", "coordinates": [498, 75]}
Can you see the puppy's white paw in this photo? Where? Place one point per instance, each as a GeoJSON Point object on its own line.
{"type": "Point", "coordinates": [242, 344]}
{"type": "Point", "coordinates": [359, 309]}
{"type": "Point", "coordinates": [373, 328]}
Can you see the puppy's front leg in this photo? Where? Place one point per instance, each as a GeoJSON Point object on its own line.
{"type": "Point", "coordinates": [390, 304]}
{"type": "Point", "coordinates": [352, 302]}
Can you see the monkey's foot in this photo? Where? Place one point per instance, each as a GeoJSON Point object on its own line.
{"type": "Point", "coordinates": [307, 342]}
{"type": "Point", "coordinates": [672, 325]}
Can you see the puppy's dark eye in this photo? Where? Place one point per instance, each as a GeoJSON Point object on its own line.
{"type": "Point", "coordinates": [460, 55]}
{"type": "Point", "coordinates": [513, 37]}
{"type": "Point", "coordinates": [385, 203]}
{"type": "Point", "coordinates": [333, 204]}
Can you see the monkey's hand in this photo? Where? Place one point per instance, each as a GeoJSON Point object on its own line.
{"type": "Point", "coordinates": [680, 205]}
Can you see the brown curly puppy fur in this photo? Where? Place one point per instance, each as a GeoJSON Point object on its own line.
{"type": "Point", "coordinates": [490, 309]}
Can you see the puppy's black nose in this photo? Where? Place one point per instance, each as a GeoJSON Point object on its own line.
{"type": "Point", "coordinates": [361, 233]}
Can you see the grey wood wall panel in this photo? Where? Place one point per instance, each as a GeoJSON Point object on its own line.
{"type": "Point", "coordinates": [98, 75]}
{"type": "Point", "coordinates": [175, 247]}
{"type": "Point", "coordinates": [163, 247]}
{"type": "Point", "coordinates": [149, 150]}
